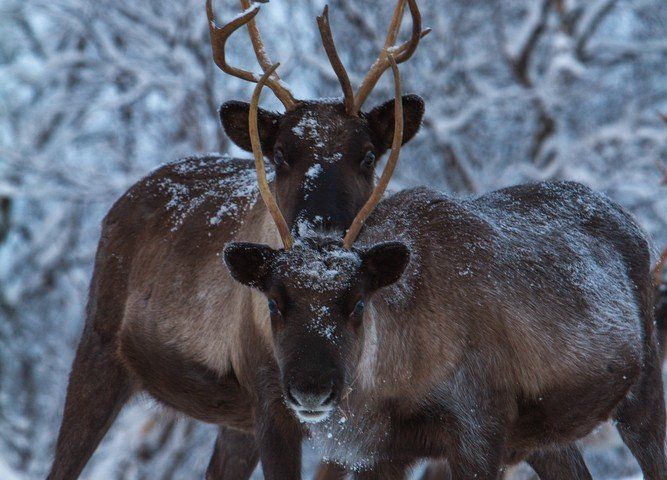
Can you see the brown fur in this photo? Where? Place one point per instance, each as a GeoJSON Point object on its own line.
{"type": "Point", "coordinates": [450, 362]}
{"type": "Point", "coordinates": [159, 280]}
{"type": "Point", "coordinates": [523, 321]}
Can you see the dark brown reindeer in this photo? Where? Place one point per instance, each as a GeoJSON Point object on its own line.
{"type": "Point", "coordinates": [483, 331]}
{"type": "Point", "coordinates": [158, 268]}
{"type": "Point", "coordinates": [440, 470]}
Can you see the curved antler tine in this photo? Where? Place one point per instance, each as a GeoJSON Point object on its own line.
{"type": "Point", "coordinates": [401, 53]}
{"type": "Point", "coordinates": [389, 168]}
{"type": "Point", "coordinates": [395, 24]}
{"type": "Point", "coordinates": [399, 50]}
{"type": "Point", "coordinates": [334, 59]}
{"type": "Point", "coordinates": [263, 58]}
{"type": "Point", "coordinates": [411, 45]}
{"type": "Point", "coordinates": [256, 40]}
{"type": "Point", "coordinates": [264, 188]}
{"type": "Point", "coordinates": [219, 36]}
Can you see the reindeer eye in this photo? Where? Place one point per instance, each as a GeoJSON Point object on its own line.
{"type": "Point", "coordinates": [278, 158]}
{"type": "Point", "coordinates": [358, 308]}
{"type": "Point", "coordinates": [273, 307]}
{"type": "Point", "coordinates": [368, 161]}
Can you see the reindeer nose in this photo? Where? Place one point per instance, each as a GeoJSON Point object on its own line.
{"type": "Point", "coordinates": [312, 398]}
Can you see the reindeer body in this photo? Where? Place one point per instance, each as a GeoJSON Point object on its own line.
{"type": "Point", "coordinates": [167, 233]}
{"type": "Point", "coordinates": [530, 305]}
{"type": "Point", "coordinates": [533, 301]}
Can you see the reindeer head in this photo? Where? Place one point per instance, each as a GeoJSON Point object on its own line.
{"type": "Point", "coordinates": [317, 289]}
{"type": "Point", "coordinates": [316, 294]}
{"type": "Point", "coordinates": [324, 152]}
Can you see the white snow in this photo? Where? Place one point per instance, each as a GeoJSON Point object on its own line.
{"type": "Point", "coordinates": [324, 270]}
{"type": "Point", "coordinates": [231, 186]}
{"type": "Point", "coordinates": [311, 176]}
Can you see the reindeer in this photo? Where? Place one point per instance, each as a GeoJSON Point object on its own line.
{"type": "Point", "coordinates": [158, 268]}
{"type": "Point", "coordinates": [482, 331]}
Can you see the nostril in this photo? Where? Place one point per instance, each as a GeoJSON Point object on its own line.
{"type": "Point", "coordinates": [292, 397]}
{"type": "Point", "coordinates": [328, 398]}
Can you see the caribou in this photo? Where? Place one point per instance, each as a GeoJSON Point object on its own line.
{"type": "Point", "coordinates": [484, 331]}
{"type": "Point", "coordinates": [158, 268]}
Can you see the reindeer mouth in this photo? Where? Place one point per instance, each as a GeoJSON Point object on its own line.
{"type": "Point", "coordinates": [313, 406]}
{"type": "Point", "coordinates": [312, 416]}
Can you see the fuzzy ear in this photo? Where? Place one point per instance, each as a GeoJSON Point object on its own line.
{"type": "Point", "coordinates": [249, 263]}
{"type": "Point", "coordinates": [384, 263]}
{"type": "Point", "coordinates": [234, 118]}
{"type": "Point", "coordinates": [381, 121]}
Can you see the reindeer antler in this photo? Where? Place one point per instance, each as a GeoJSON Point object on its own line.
{"type": "Point", "coordinates": [353, 103]}
{"type": "Point", "coordinates": [388, 171]}
{"type": "Point", "coordinates": [334, 59]}
{"type": "Point", "coordinates": [219, 36]}
{"type": "Point", "coordinates": [264, 189]}
{"type": "Point", "coordinates": [401, 53]}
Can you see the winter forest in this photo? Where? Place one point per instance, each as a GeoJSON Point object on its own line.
{"type": "Point", "coordinates": [94, 95]}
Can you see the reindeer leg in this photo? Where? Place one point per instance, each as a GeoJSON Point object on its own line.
{"type": "Point", "coordinates": [384, 471]}
{"type": "Point", "coordinates": [475, 427]}
{"type": "Point", "coordinates": [436, 471]}
{"type": "Point", "coordinates": [641, 419]}
{"type": "Point", "coordinates": [563, 464]}
{"type": "Point", "coordinates": [98, 388]}
{"type": "Point", "coordinates": [481, 462]}
{"type": "Point", "coordinates": [478, 437]}
{"type": "Point", "coordinates": [330, 471]}
{"type": "Point", "coordinates": [235, 456]}
{"type": "Point", "coordinates": [279, 438]}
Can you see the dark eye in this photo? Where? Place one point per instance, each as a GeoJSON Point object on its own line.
{"type": "Point", "coordinates": [273, 307]}
{"type": "Point", "coordinates": [368, 161]}
{"type": "Point", "coordinates": [278, 157]}
{"type": "Point", "coordinates": [358, 308]}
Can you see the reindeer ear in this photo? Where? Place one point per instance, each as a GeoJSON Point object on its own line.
{"type": "Point", "coordinates": [383, 264]}
{"type": "Point", "coordinates": [249, 263]}
{"type": "Point", "coordinates": [234, 118]}
{"type": "Point", "coordinates": [381, 121]}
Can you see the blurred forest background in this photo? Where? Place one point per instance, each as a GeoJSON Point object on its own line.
{"type": "Point", "coordinates": [95, 94]}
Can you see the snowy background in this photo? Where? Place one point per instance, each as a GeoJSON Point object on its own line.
{"type": "Point", "coordinates": [94, 94]}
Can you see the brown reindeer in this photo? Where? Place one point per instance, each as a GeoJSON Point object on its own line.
{"type": "Point", "coordinates": [482, 331]}
{"type": "Point", "coordinates": [158, 268]}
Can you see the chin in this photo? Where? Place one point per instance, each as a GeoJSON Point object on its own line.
{"type": "Point", "coordinates": [313, 416]}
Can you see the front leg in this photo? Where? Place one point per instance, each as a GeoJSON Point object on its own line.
{"type": "Point", "coordinates": [235, 456]}
{"type": "Point", "coordinates": [565, 463]}
{"type": "Point", "coordinates": [436, 471]}
{"type": "Point", "coordinates": [477, 428]}
{"type": "Point", "coordinates": [279, 439]}
{"type": "Point", "coordinates": [384, 471]}
{"type": "Point", "coordinates": [478, 437]}
{"type": "Point", "coordinates": [476, 458]}
{"type": "Point", "coordinates": [330, 471]}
